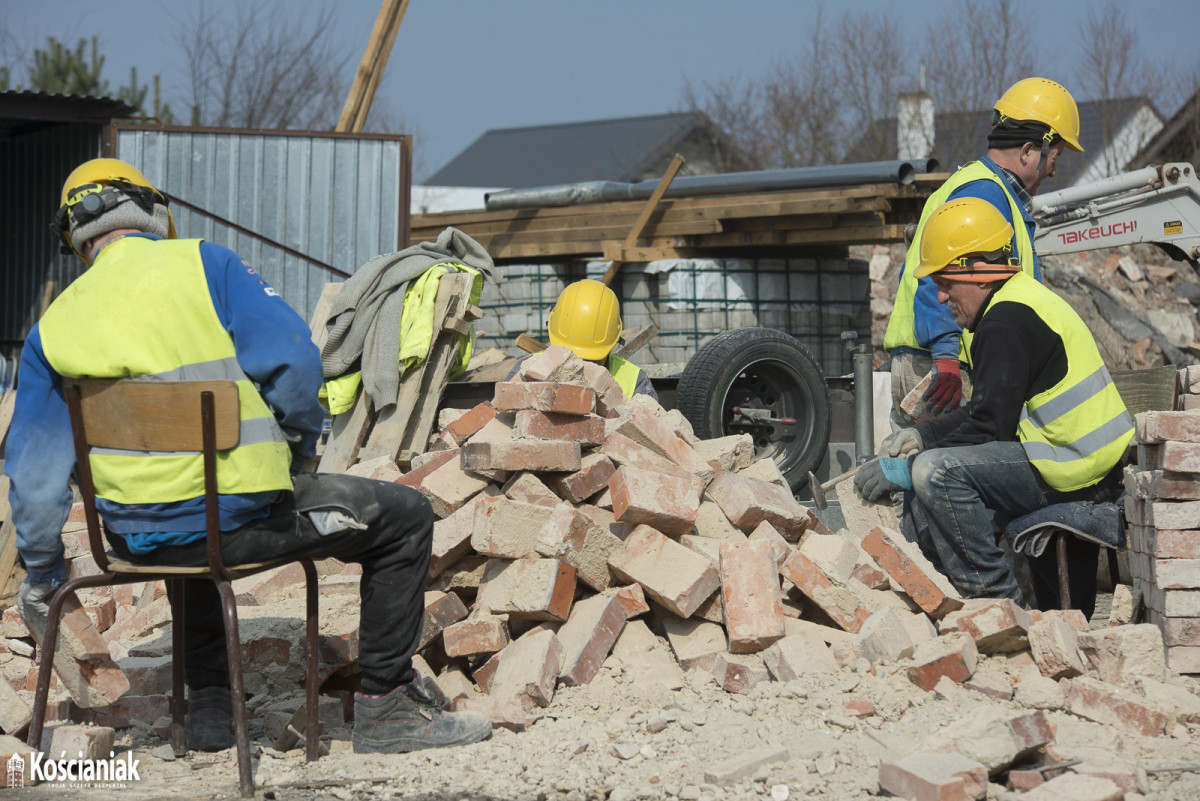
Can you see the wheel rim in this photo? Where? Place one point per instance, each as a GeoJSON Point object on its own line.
{"type": "Point", "coordinates": [777, 387]}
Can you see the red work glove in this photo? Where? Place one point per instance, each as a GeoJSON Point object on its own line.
{"type": "Point", "coordinates": [945, 390]}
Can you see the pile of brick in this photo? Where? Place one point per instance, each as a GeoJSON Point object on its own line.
{"type": "Point", "coordinates": [577, 531]}
{"type": "Point", "coordinates": [1163, 512]}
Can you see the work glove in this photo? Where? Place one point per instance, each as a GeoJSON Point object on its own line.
{"type": "Point", "coordinates": [881, 477]}
{"type": "Point", "coordinates": [33, 604]}
{"type": "Point", "coordinates": [898, 442]}
{"type": "Point", "coordinates": [945, 391]}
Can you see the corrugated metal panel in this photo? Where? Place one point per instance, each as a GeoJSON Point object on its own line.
{"type": "Point", "coordinates": [34, 164]}
{"type": "Point", "coordinates": [335, 198]}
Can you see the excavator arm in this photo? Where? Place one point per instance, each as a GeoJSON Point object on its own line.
{"type": "Point", "coordinates": [1159, 205]}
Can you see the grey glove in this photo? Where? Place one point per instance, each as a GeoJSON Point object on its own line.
{"type": "Point", "coordinates": [33, 604]}
{"type": "Point", "coordinates": [894, 444]}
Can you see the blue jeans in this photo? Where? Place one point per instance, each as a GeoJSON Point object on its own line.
{"type": "Point", "coordinates": [946, 512]}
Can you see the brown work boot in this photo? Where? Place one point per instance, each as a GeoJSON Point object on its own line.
{"type": "Point", "coordinates": [409, 718]}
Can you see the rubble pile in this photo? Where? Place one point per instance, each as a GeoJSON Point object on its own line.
{"type": "Point", "coordinates": [1137, 302]}
{"type": "Point", "coordinates": [590, 553]}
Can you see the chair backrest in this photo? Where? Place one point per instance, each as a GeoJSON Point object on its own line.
{"type": "Point", "coordinates": [129, 414]}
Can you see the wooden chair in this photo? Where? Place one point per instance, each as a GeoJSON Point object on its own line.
{"type": "Point", "coordinates": [196, 416]}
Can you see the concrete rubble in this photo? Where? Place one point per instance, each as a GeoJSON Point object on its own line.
{"type": "Point", "coordinates": [642, 616]}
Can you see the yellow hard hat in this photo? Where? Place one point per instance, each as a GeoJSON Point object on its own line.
{"type": "Point", "coordinates": [1044, 101]}
{"type": "Point", "coordinates": [962, 227]}
{"type": "Point", "coordinates": [586, 319]}
{"type": "Point", "coordinates": [91, 178]}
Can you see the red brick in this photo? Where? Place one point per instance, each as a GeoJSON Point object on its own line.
{"type": "Point", "coordinates": [15, 713]}
{"type": "Point", "coordinates": [915, 574]}
{"type": "Point", "coordinates": [835, 597]}
{"type": "Point", "coordinates": [934, 777]}
{"type": "Point", "coordinates": [1076, 787]}
{"type": "Point", "coordinates": [535, 589]}
{"type": "Point", "coordinates": [522, 454]}
{"type": "Point", "coordinates": [669, 573]}
{"type": "Point", "coordinates": [644, 427]}
{"type": "Point", "coordinates": [951, 655]}
{"type": "Point", "coordinates": [624, 451]}
{"type": "Point", "coordinates": [609, 395]}
{"type": "Point", "coordinates": [797, 654]}
{"type": "Point", "coordinates": [452, 534]}
{"type": "Point", "coordinates": [441, 610]}
{"type": "Point", "coordinates": [859, 707]}
{"type": "Point", "coordinates": [527, 670]}
{"type": "Point", "coordinates": [739, 673]}
{"type": "Point", "coordinates": [998, 627]}
{"type": "Point", "coordinates": [1161, 484]}
{"type": "Point", "coordinates": [506, 528]}
{"type": "Point", "coordinates": [589, 542]}
{"type": "Point", "coordinates": [765, 532]}
{"type": "Point", "coordinates": [1165, 543]}
{"type": "Point", "coordinates": [470, 422]}
{"type": "Point", "coordinates": [588, 636]}
{"type": "Point", "coordinates": [1055, 647]}
{"type": "Point", "coordinates": [544, 397]}
{"type": "Point", "coordinates": [475, 636]}
{"type": "Point", "coordinates": [752, 602]}
{"type": "Point", "coordinates": [1111, 705]}
{"type": "Point", "coordinates": [556, 364]}
{"type": "Point", "coordinates": [632, 599]}
{"type": "Point", "coordinates": [1123, 653]}
{"type": "Point", "coordinates": [664, 502]}
{"type": "Point", "coordinates": [1161, 426]}
{"type": "Point", "coordinates": [749, 501]}
{"type": "Point", "coordinates": [595, 469]}
{"type": "Point", "coordinates": [415, 477]}
{"type": "Point", "coordinates": [529, 488]}
{"type": "Point", "coordinates": [586, 429]}
{"type": "Point", "coordinates": [449, 486]}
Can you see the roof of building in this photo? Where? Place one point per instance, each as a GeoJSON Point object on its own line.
{"type": "Point", "coordinates": [961, 137]}
{"type": "Point", "coordinates": [1179, 139]}
{"type": "Point", "coordinates": [24, 110]}
{"type": "Point", "coordinates": [621, 149]}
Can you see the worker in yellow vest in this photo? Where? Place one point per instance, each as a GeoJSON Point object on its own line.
{"type": "Point", "coordinates": [1045, 423]}
{"type": "Point", "coordinates": [587, 319]}
{"type": "Point", "coordinates": [152, 307]}
{"type": "Point", "coordinates": [1031, 125]}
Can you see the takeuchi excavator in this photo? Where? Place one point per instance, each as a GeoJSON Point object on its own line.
{"type": "Point", "coordinates": [1156, 205]}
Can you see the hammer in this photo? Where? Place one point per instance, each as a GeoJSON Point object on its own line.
{"type": "Point", "coordinates": [818, 489]}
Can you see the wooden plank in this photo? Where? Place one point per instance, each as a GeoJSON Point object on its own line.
{"type": "Point", "coordinates": [155, 415]}
{"type": "Point", "coordinates": [8, 403]}
{"type": "Point", "coordinates": [651, 204]}
{"type": "Point", "coordinates": [529, 344]}
{"type": "Point", "coordinates": [441, 360]}
{"type": "Point", "coordinates": [370, 69]}
{"type": "Point", "coordinates": [11, 573]}
{"type": "Point", "coordinates": [1147, 390]}
{"type": "Point", "coordinates": [388, 433]}
{"type": "Point", "coordinates": [349, 431]}
{"type": "Point", "coordinates": [634, 340]}
{"type": "Point", "coordinates": [5, 506]}
{"type": "Point", "coordinates": [320, 334]}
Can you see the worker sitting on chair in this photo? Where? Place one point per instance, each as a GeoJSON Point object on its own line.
{"type": "Point", "coordinates": [153, 307]}
{"type": "Point", "coordinates": [587, 319]}
{"type": "Point", "coordinates": [1045, 423]}
{"type": "Point", "coordinates": [1031, 125]}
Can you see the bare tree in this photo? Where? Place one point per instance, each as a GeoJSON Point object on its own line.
{"type": "Point", "coordinates": [870, 71]}
{"type": "Point", "coordinates": [1110, 71]}
{"type": "Point", "coordinates": [270, 68]}
{"type": "Point", "coordinates": [982, 48]}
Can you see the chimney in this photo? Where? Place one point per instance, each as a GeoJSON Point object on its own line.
{"type": "Point", "coordinates": [914, 125]}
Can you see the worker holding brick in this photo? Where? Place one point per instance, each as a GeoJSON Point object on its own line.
{"type": "Point", "coordinates": [587, 319]}
{"type": "Point", "coordinates": [1045, 423]}
{"type": "Point", "coordinates": [154, 307]}
{"type": "Point", "coordinates": [1031, 125]}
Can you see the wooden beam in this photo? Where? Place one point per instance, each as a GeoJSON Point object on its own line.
{"type": "Point", "coordinates": [529, 344]}
{"type": "Point", "coordinates": [644, 217]}
{"type": "Point", "coordinates": [370, 69]}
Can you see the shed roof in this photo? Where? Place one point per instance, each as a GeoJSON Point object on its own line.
{"type": "Point", "coordinates": [619, 149]}
{"type": "Point", "coordinates": [21, 112]}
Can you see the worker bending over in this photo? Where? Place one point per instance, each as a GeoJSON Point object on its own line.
{"type": "Point", "coordinates": [1044, 424]}
{"type": "Point", "coordinates": [154, 307]}
{"type": "Point", "coordinates": [587, 319]}
{"type": "Point", "coordinates": [1031, 125]}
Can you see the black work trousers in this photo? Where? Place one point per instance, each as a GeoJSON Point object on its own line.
{"type": "Point", "coordinates": [394, 551]}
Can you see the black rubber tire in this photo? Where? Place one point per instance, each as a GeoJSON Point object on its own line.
{"type": "Point", "coordinates": [760, 368]}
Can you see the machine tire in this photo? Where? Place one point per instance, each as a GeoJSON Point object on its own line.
{"type": "Point", "coordinates": [760, 368]}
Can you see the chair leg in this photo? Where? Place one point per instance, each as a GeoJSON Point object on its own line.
{"type": "Point", "coordinates": [1114, 567]}
{"type": "Point", "coordinates": [233, 647]}
{"type": "Point", "coordinates": [46, 662]}
{"type": "Point", "coordinates": [178, 659]}
{"type": "Point", "coordinates": [1064, 578]}
{"type": "Point", "coordinates": [312, 729]}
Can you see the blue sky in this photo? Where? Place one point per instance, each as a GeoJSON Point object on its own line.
{"type": "Point", "coordinates": [461, 67]}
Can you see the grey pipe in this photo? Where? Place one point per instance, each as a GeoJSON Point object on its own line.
{"type": "Point", "coordinates": [864, 404]}
{"type": "Point", "coordinates": [899, 171]}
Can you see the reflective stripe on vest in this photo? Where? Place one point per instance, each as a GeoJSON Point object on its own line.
{"type": "Point", "coordinates": [902, 326]}
{"type": "Point", "coordinates": [144, 311]}
{"type": "Point", "coordinates": [626, 374]}
{"type": "Point", "coordinates": [1076, 431]}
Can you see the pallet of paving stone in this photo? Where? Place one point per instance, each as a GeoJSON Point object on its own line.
{"type": "Point", "coordinates": [401, 430]}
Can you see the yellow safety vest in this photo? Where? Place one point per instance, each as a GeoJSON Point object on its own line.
{"type": "Point", "coordinates": [143, 311]}
{"type": "Point", "coordinates": [1076, 431]}
{"type": "Point", "coordinates": [902, 326]}
{"type": "Point", "coordinates": [626, 374]}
